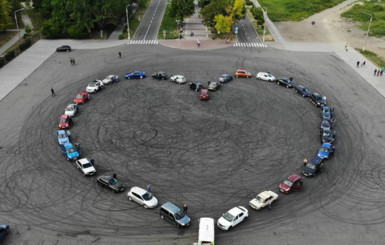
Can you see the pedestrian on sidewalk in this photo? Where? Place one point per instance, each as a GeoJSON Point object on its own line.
{"type": "Point", "coordinates": [346, 47]}
{"type": "Point", "coordinates": [378, 72]}
{"type": "Point", "coordinates": [381, 73]}
{"type": "Point", "coordinates": [120, 55]}
{"type": "Point", "coordinates": [358, 64]}
{"type": "Point", "coordinates": [198, 43]}
{"type": "Point", "coordinates": [363, 63]}
{"type": "Point", "coordinates": [375, 71]}
{"type": "Point", "coordinates": [52, 92]}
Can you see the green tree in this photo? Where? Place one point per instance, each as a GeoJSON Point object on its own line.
{"type": "Point", "coordinates": [182, 8]}
{"type": "Point", "coordinates": [5, 11]}
{"type": "Point", "coordinates": [239, 9]}
{"type": "Point", "coordinates": [211, 10]}
{"type": "Point", "coordinates": [223, 23]}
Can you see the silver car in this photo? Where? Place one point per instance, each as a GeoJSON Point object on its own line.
{"type": "Point", "coordinates": [142, 197]}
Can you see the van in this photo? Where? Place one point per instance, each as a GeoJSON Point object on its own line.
{"type": "Point", "coordinates": [206, 231]}
{"type": "Point", "coordinates": [174, 215]}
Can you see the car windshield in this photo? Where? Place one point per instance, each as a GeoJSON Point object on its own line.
{"type": "Point", "coordinates": [79, 96]}
{"type": "Point", "coordinates": [325, 124]}
{"type": "Point", "coordinates": [91, 84]}
{"type": "Point", "coordinates": [113, 181]}
{"type": "Point", "coordinates": [228, 217]}
{"type": "Point", "coordinates": [70, 108]}
{"type": "Point", "coordinates": [327, 134]}
{"type": "Point", "coordinates": [180, 215]}
{"type": "Point", "coordinates": [259, 198]}
{"type": "Point", "coordinates": [147, 196]}
{"type": "Point", "coordinates": [71, 150]}
{"type": "Point", "coordinates": [87, 165]}
{"type": "Point", "coordinates": [63, 120]}
{"type": "Point", "coordinates": [64, 135]}
{"type": "Point", "coordinates": [324, 149]}
{"type": "Point", "coordinates": [288, 183]}
{"type": "Point", "coordinates": [269, 75]}
{"type": "Point", "coordinates": [311, 166]}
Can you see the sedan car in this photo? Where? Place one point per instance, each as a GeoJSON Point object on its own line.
{"type": "Point", "coordinates": [326, 116]}
{"type": "Point", "coordinates": [4, 229]}
{"type": "Point", "coordinates": [317, 100]}
{"type": "Point", "coordinates": [293, 183]}
{"type": "Point", "coordinates": [65, 122]}
{"type": "Point", "coordinates": [266, 76]}
{"type": "Point", "coordinates": [225, 78]}
{"type": "Point", "coordinates": [160, 75]}
{"type": "Point", "coordinates": [142, 197]}
{"type": "Point", "coordinates": [326, 150]}
{"type": "Point", "coordinates": [180, 79]}
{"type": "Point", "coordinates": [325, 124]}
{"type": "Point", "coordinates": [204, 94]}
{"type": "Point", "coordinates": [111, 183]}
{"type": "Point", "coordinates": [64, 48]}
{"type": "Point", "coordinates": [71, 110]}
{"type": "Point", "coordinates": [327, 136]}
{"type": "Point", "coordinates": [82, 97]}
{"type": "Point", "coordinates": [110, 79]}
{"type": "Point", "coordinates": [197, 86]}
{"type": "Point", "coordinates": [94, 86]}
{"type": "Point", "coordinates": [63, 136]}
{"type": "Point", "coordinates": [232, 218]}
{"type": "Point", "coordinates": [242, 73]}
{"type": "Point", "coordinates": [302, 90]}
{"type": "Point", "coordinates": [311, 168]}
{"type": "Point", "coordinates": [135, 75]}
{"type": "Point", "coordinates": [287, 82]}
{"type": "Point", "coordinates": [263, 199]}
{"type": "Point", "coordinates": [70, 151]}
{"type": "Point", "coordinates": [85, 166]}
{"type": "Point", "coordinates": [214, 86]}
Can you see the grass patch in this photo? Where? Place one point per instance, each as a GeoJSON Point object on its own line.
{"type": "Point", "coordinates": [377, 60]}
{"type": "Point", "coordinates": [169, 25]}
{"type": "Point", "coordinates": [259, 28]}
{"type": "Point", "coordinates": [376, 8]}
{"type": "Point", "coordinates": [6, 36]}
{"type": "Point", "coordinates": [284, 10]}
{"type": "Point", "coordinates": [37, 19]}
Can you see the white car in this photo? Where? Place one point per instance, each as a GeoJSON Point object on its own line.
{"type": "Point", "coordinates": [232, 217]}
{"type": "Point", "coordinates": [142, 197]}
{"type": "Point", "coordinates": [110, 79]}
{"type": "Point", "coordinates": [71, 110]}
{"type": "Point", "coordinates": [263, 199]}
{"type": "Point", "coordinates": [265, 76]}
{"type": "Point", "coordinates": [85, 166]}
{"type": "Point", "coordinates": [94, 86]}
{"type": "Point", "coordinates": [178, 79]}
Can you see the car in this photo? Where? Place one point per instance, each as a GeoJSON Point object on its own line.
{"type": "Point", "coordinates": [327, 136]}
{"type": "Point", "coordinates": [160, 75]}
{"type": "Point", "coordinates": [242, 73]}
{"type": "Point", "coordinates": [63, 136]}
{"type": "Point", "coordinates": [94, 86]}
{"type": "Point", "coordinates": [311, 168]}
{"type": "Point", "coordinates": [204, 94]}
{"type": "Point", "coordinates": [206, 234]}
{"type": "Point", "coordinates": [85, 166]}
{"type": "Point", "coordinates": [71, 110]}
{"type": "Point", "coordinates": [197, 86]}
{"type": "Point", "coordinates": [135, 75]}
{"type": "Point", "coordinates": [232, 218]}
{"type": "Point", "coordinates": [326, 109]}
{"type": "Point", "coordinates": [65, 122]}
{"type": "Point", "coordinates": [64, 48]}
{"type": "Point", "coordinates": [317, 100]}
{"type": "Point", "coordinates": [263, 199]}
{"type": "Point", "coordinates": [4, 229]}
{"type": "Point", "coordinates": [214, 86]}
{"type": "Point", "coordinates": [82, 97]}
{"type": "Point", "coordinates": [111, 183]}
{"type": "Point", "coordinates": [266, 76]}
{"type": "Point", "coordinates": [180, 79]}
{"type": "Point", "coordinates": [326, 150]}
{"type": "Point", "coordinates": [325, 124]}
{"type": "Point", "coordinates": [302, 90]}
{"type": "Point", "coordinates": [110, 79]}
{"type": "Point", "coordinates": [287, 82]}
{"type": "Point", "coordinates": [142, 197]}
{"type": "Point", "coordinates": [173, 214]}
{"type": "Point", "coordinates": [293, 183]}
{"type": "Point", "coordinates": [225, 78]}
{"type": "Point", "coordinates": [326, 116]}
{"type": "Point", "coordinates": [70, 151]}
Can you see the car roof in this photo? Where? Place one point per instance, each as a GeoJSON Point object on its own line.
{"type": "Point", "coordinates": [327, 145]}
{"type": "Point", "coordinates": [138, 190]}
{"type": "Point", "coordinates": [61, 132]}
{"type": "Point", "coordinates": [170, 207]}
{"type": "Point", "coordinates": [225, 75]}
{"type": "Point", "coordinates": [264, 194]}
{"type": "Point", "coordinates": [64, 116]}
{"type": "Point", "coordinates": [204, 90]}
{"type": "Point", "coordinates": [235, 211]}
{"type": "Point", "coordinates": [83, 161]}
{"type": "Point", "coordinates": [316, 160]}
{"type": "Point", "coordinates": [294, 177]}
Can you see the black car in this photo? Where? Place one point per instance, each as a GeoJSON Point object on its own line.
{"type": "Point", "coordinates": [312, 167]}
{"type": "Point", "coordinates": [4, 229]}
{"type": "Point", "coordinates": [327, 136]}
{"type": "Point", "coordinates": [64, 48]}
{"type": "Point", "coordinates": [197, 86]}
{"type": "Point", "coordinates": [302, 90]}
{"type": "Point", "coordinates": [110, 182]}
{"type": "Point", "coordinates": [160, 75]}
{"type": "Point", "coordinates": [317, 99]}
{"type": "Point", "coordinates": [214, 86]}
{"type": "Point", "coordinates": [288, 82]}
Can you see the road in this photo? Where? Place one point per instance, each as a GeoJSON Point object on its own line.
{"type": "Point", "coordinates": [246, 31]}
{"type": "Point", "coordinates": [212, 154]}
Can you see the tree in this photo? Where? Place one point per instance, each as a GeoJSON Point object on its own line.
{"type": "Point", "coordinates": [211, 10]}
{"type": "Point", "coordinates": [238, 9]}
{"type": "Point", "coordinates": [182, 8]}
{"type": "Point", "coordinates": [223, 23]}
{"type": "Point", "coordinates": [5, 10]}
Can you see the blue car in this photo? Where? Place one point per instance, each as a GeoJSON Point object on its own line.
{"type": "Point", "coordinates": [302, 90]}
{"type": "Point", "coordinates": [63, 136]}
{"type": "Point", "coordinates": [4, 229]}
{"type": "Point", "coordinates": [326, 109]}
{"type": "Point", "coordinates": [135, 75]}
{"type": "Point", "coordinates": [326, 116]}
{"type": "Point", "coordinates": [326, 150]}
{"type": "Point", "coordinates": [71, 152]}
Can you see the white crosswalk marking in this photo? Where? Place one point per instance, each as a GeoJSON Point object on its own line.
{"type": "Point", "coordinates": [250, 45]}
{"type": "Point", "coordinates": [143, 42]}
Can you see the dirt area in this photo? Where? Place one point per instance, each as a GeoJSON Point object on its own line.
{"type": "Point", "coordinates": [331, 27]}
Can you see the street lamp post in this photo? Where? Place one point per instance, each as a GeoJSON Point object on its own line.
{"type": "Point", "coordinates": [264, 26]}
{"type": "Point", "coordinates": [17, 23]}
{"type": "Point", "coordinates": [367, 33]}
{"type": "Point", "coordinates": [128, 24]}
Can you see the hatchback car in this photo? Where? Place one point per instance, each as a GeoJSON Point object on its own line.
{"type": "Point", "coordinates": [302, 90]}
{"type": "Point", "coordinates": [71, 110]}
{"type": "Point", "coordinates": [94, 86]}
{"type": "Point", "coordinates": [204, 94]}
{"type": "Point", "coordinates": [242, 73]}
{"type": "Point", "coordinates": [232, 218]}
{"type": "Point", "coordinates": [327, 136]}
{"type": "Point", "coordinates": [111, 183]}
{"type": "Point", "coordinates": [63, 136]}
{"type": "Point", "coordinates": [64, 48]}
{"type": "Point", "coordinates": [214, 86]}
{"type": "Point", "coordinates": [180, 79]}
{"type": "Point", "coordinates": [326, 150]}
{"type": "Point", "coordinates": [197, 86]}
{"type": "Point", "coordinates": [85, 166]}
{"type": "Point", "coordinates": [225, 78]}
{"type": "Point", "coordinates": [317, 100]}
{"type": "Point", "coordinates": [70, 151]}
{"type": "Point", "coordinates": [160, 75]}
{"type": "Point", "coordinates": [266, 76]}
{"type": "Point", "coordinates": [311, 168]}
{"type": "Point", "coordinates": [110, 79]}
{"type": "Point", "coordinates": [65, 122]}
{"type": "Point", "coordinates": [82, 97]}
{"type": "Point", "coordinates": [325, 124]}
{"type": "Point", "coordinates": [287, 82]}
{"type": "Point", "coordinates": [142, 197]}
{"type": "Point", "coordinates": [135, 75]}
{"type": "Point", "coordinates": [173, 214]}
{"type": "Point", "coordinates": [263, 199]}
{"type": "Point", "coordinates": [293, 183]}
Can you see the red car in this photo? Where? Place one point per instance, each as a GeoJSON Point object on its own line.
{"type": "Point", "coordinates": [293, 183]}
{"type": "Point", "coordinates": [204, 94]}
{"type": "Point", "coordinates": [82, 97]}
{"type": "Point", "coordinates": [65, 122]}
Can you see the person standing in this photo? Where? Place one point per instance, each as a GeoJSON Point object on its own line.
{"type": "Point", "coordinates": [149, 188]}
{"type": "Point", "coordinates": [52, 92]}
{"type": "Point", "coordinates": [198, 43]}
{"type": "Point", "coordinates": [363, 63]}
{"type": "Point", "coordinates": [346, 47]}
{"type": "Point", "coordinates": [358, 64]}
{"type": "Point", "coordinates": [304, 161]}
{"type": "Point", "coordinates": [375, 71]}
{"type": "Point", "coordinates": [185, 209]}
{"type": "Point", "coordinates": [92, 161]}
{"type": "Point", "coordinates": [120, 55]}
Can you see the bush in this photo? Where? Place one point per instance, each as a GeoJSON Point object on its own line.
{"type": "Point", "coordinates": [75, 32]}
{"type": "Point", "coordinates": [26, 44]}
{"type": "Point", "coordinates": [121, 36]}
{"type": "Point", "coordinates": [10, 55]}
{"type": "Point", "coordinates": [249, 2]}
{"type": "Point", "coordinates": [27, 29]}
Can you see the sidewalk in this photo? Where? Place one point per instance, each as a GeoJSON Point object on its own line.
{"type": "Point", "coordinates": [193, 25]}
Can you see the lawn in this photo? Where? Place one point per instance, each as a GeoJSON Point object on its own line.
{"type": "Point", "coordinates": [296, 10]}
{"type": "Point", "coordinates": [168, 25]}
{"type": "Point", "coordinates": [36, 18]}
{"type": "Point", "coordinates": [379, 61]}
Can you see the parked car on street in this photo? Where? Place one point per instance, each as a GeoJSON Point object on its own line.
{"type": "Point", "coordinates": [225, 78]}
{"type": "Point", "coordinates": [65, 122]}
{"type": "Point", "coordinates": [71, 110]}
{"type": "Point", "coordinates": [85, 166]}
{"type": "Point", "coordinates": [63, 136]}
{"type": "Point", "coordinates": [70, 151]}
{"type": "Point", "coordinates": [64, 48]}
{"type": "Point", "coordinates": [263, 199]}
{"type": "Point", "coordinates": [242, 73]}
{"type": "Point", "coordinates": [214, 86]}
{"type": "Point", "coordinates": [302, 90]}
{"type": "Point", "coordinates": [180, 79]}
{"type": "Point", "coordinates": [197, 86]}
{"type": "Point", "coordinates": [160, 75]}
{"type": "Point", "coordinates": [82, 97]}
{"type": "Point", "coordinates": [94, 86]}
{"type": "Point", "coordinates": [266, 76]}
{"type": "Point", "coordinates": [111, 183]}
{"type": "Point", "coordinates": [135, 75]}
{"type": "Point", "coordinates": [110, 79]}
{"type": "Point", "coordinates": [311, 168]}
{"type": "Point", "coordinates": [173, 214]}
{"type": "Point", "coordinates": [317, 100]}
{"type": "Point", "coordinates": [4, 229]}
{"type": "Point", "coordinates": [204, 94]}
{"type": "Point", "coordinates": [328, 136]}
{"type": "Point", "coordinates": [293, 183]}
{"type": "Point", "coordinates": [287, 82]}
{"type": "Point", "coordinates": [142, 197]}
{"type": "Point", "coordinates": [232, 218]}
{"type": "Point", "coordinates": [326, 150]}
